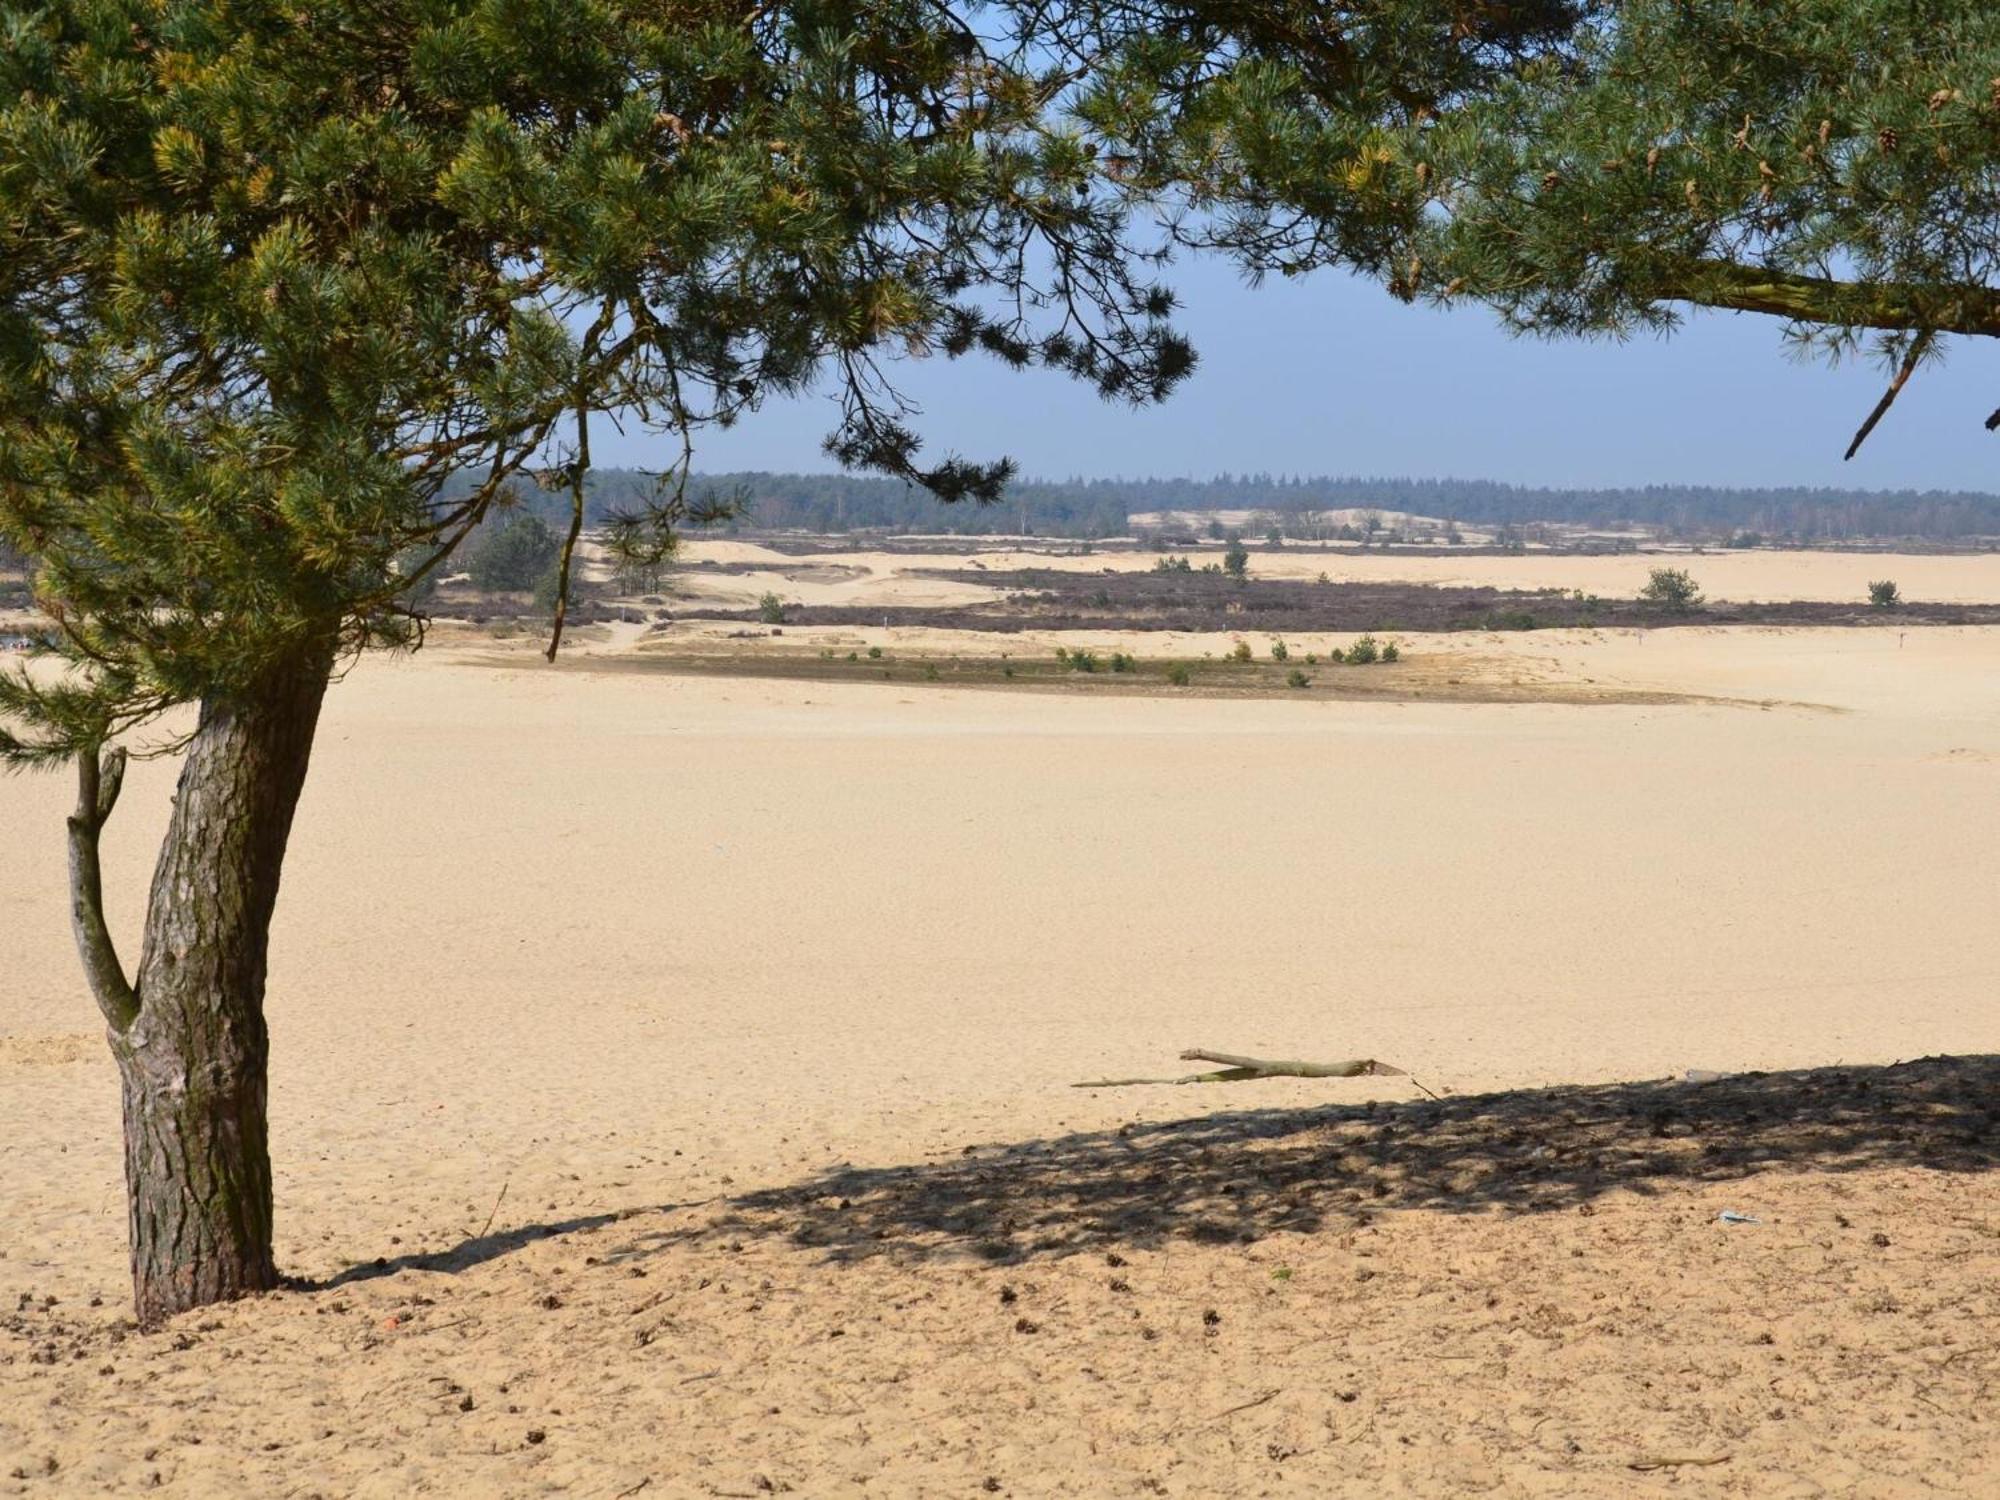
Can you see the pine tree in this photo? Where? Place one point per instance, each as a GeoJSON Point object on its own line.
{"type": "Point", "coordinates": [288, 294]}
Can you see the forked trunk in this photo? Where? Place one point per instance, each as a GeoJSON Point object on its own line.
{"type": "Point", "coordinates": [193, 1060]}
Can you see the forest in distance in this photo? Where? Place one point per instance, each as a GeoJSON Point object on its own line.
{"type": "Point", "coordinates": [1095, 508]}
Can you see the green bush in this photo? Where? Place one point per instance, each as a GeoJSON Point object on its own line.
{"type": "Point", "coordinates": [1240, 651]}
{"type": "Point", "coordinates": [1297, 679]}
{"type": "Point", "coordinates": [1884, 594]}
{"type": "Point", "coordinates": [1279, 651]}
{"type": "Point", "coordinates": [1173, 565]}
{"type": "Point", "coordinates": [512, 555]}
{"type": "Point", "coordinates": [874, 653]}
{"type": "Point", "coordinates": [771, 609]}
{"type": "Point", "coordinates": [1120, 662]}
{"type": "Point", "coordinates": [550, 583]}
{"type": "Point", "coordinates": [1672, 588]}
{"type": "Point", "coordinates": [1178, 674]}
{"type": "Point", "coordinates": [1079, 661]}
{"type": "Point", "coordinates": [1236, 561]}
{"type": "Point", "coordinates": [1392, 652]}
{"type": "Point", "coordinates": [1363, 652]}
{"type": "Point", "coordinates": [407, 562]}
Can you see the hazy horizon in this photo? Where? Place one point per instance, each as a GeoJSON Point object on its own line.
{"type": "Point", "coordinates": [1226, 476]}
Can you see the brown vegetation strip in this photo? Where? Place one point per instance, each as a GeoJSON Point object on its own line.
{"type": "Point", "coordinates": [1194, 603]}
{"type": "Point", "coordinates": [1455, 679]}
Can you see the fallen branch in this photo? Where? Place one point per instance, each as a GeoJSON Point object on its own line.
{"type": "Point", "coordinates": [1241, 1069]}
{"type": "Point", "coordinates": [1258, 1400]}
{"type": "Point", "coordinates": [1654, 1461]}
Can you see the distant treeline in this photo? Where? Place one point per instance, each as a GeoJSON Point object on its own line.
{"type": "Point", "coordinates": [1102, 507]}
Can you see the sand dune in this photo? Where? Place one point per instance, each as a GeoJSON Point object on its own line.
{"type": "Point", "coordinates": [685, 964]}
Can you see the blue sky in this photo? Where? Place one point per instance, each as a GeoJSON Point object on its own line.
{"type": "Point", "coordinates": [1329, 375]}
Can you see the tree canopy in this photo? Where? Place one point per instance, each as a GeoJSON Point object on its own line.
{"type": "Point", "coordinates": [272, 278]}
{"type": "Point", "coordinates": [1596, 167]}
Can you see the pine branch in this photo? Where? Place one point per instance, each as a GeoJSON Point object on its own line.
{"type": "Point", "coordinates": [100, 777]}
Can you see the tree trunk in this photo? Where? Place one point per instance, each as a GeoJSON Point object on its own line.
{"type": "Point", "coordinates": [193, 1060]}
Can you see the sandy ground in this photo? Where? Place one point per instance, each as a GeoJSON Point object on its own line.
{"type": "Point", "coordinates": [746, 1012]}
{"type": "Point", "coordinates": [862, 578]}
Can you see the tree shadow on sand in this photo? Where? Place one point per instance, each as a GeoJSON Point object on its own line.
{"type": "Point", "coordinates": [1237, 1176]}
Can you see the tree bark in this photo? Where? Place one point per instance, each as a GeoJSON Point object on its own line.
{"type": "Point", "coordinates": [193, 1059]}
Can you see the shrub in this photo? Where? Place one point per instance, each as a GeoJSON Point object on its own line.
{"type": "Point", "coordinates": [407, 562]}
{"type": "Point", "coordinates": [1363, 652]}
{"type": "Point", "coordinates": [1178, 674]}
{"type": "Point", "coordinates": [930, 671]}
{"type": "Point", "coordinates": [1279, 651]}
{"type": "Point", "coordinates": [1240, 651]}
{"type": "Point", "coordinates": [1120, 662]}
{"type": "Point", "coordinates": [1081, 661]}
{"type": "Point", "coordinates": [1311, 659]}
{"type": "Point", "coordinates": [1274, 538]}
{"type": "Point", "coordinates": [550, 584]}
{"type": "Point", "coordinates": [771, 609]}
{"type": "Point", "coordinates": [1173, 565]}
{"type": "Point", "coordinates": [512, 555]}
{"type": "Point", "coordinates": [874, 653]}
{"type": "Point", "coordinates": [1297, 679]}
{"type": "Point", "coordinates": [1884, 594]}
{"type": "Point", "coordinates": [1236, 561]}
{"type": "Point", "coordinates": [1673, 588]}
{"type": "Point", "coordinates": [1392, 652]}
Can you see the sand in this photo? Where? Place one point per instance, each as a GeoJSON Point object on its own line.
{"type": "Point", "coordinates": [761, 1000]}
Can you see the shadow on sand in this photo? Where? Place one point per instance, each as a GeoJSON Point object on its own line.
{"type": "Point", "coordinates": [465, 1254]}
{"type": "Point", "coordinates": [1241, 1175]}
